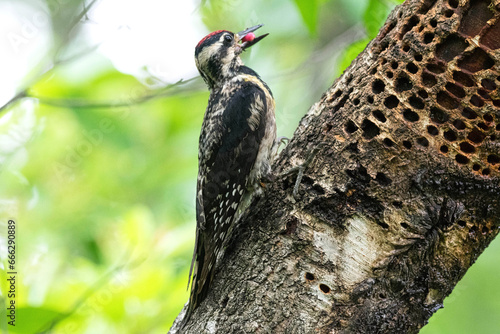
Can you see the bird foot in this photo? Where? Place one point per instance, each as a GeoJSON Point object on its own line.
{"type": "Point", "coordinates": [283, 140]}
{"type": "Point", "coordinates": [277, 144]}
{"type": "Point", "coordinates": [301, 168]}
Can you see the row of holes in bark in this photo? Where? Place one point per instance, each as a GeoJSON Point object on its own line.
{"type": "Point", "coordinates": [371, 130]}
{"type": "Point", "coordinates": [361, 174]}
{"type": "Point", "coordinates": [323, 287]}
{"type": "Point", "coordinates": [403, 83]}
{"type": "Point", "coordinates": [414, 20]}
{"type": "Point", "coordinates": [449, 99]}
{"type": "Point", "coordinates": [462, 78]}
{"type": "Point", "coordinates": [437, 115]}
{"type": "Point", "coordinates": [478, 60]}
{"type": "Point", "coordinates": [454, 44]}
{"type": "Point", "coordinates": [474, 21]}
{"type": "Point", "coordinates": [447, 50]}
{"type": "Point", "coordinates": [474, 61]}
{"type": "Point", "coordinates": [442, 98]}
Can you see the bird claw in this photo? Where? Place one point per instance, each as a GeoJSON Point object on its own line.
{"type": "Point", "coordinates": [301, 168]}
{"type": "Point", "coordinates": [282, 140]}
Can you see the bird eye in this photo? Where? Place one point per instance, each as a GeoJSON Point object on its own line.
{"type": "Point", "coordinates": [228, 38]}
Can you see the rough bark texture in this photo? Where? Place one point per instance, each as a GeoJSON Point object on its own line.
{"type": "Point", "coordinates": [399, 201]}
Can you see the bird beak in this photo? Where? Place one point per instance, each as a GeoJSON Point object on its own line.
{"type": "Point", "coordinates": [248, 43]}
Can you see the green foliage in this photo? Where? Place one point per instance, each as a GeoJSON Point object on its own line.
{"type": "Point", "coordinates": [114, 187]}
{"type": "Point", "coordinates": [309, 12]}
{"type": "Point", "coordinates": [34, 319]}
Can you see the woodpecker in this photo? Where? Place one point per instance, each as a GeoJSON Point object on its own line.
{"type": "Point", "coordinates": [236, 147]}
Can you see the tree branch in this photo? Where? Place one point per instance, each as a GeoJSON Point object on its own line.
{"type": "Point", "coordinates": [144, 96]}
{"type": "Point", "coordinates": [50, 65]}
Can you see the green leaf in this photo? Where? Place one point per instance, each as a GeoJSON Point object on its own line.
{"type": "Point", "coordinates": [375, 15]}
{"type": "Point", "coordinates": [34, 319]}
{"type": "Point", "coordinates": [351, 52]}
{"type": "Point", "coordinates": [309, 12]}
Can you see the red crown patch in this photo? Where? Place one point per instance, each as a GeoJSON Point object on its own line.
{"type": "Point", "coordinates": [208, 36]}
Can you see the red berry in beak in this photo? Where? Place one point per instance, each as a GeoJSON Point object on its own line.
{"type": "Point", "coordinates": [248, 37]}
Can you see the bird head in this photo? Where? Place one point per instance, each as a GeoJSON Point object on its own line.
{"type": "Point", "coordinates": [217, 55]}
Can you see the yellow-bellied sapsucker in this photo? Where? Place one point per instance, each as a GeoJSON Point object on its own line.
{"type": "Point", "coordinates": [237, 144]}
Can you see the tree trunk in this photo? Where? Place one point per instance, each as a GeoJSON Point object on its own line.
{"type": "Point", "coordinates": [400, 199]}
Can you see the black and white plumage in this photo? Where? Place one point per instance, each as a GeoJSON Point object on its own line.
{"type": "Point", "coordinates": [236, 147]}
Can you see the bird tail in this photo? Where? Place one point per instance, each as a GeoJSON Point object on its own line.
{"type": "Point", "coordinates": [204, 269]}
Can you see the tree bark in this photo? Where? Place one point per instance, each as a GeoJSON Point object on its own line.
{"type": "Point", "coordinates": [401, 198]}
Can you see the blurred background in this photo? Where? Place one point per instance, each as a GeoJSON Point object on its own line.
{"type": "Point", "coordinates": [101, 108]}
